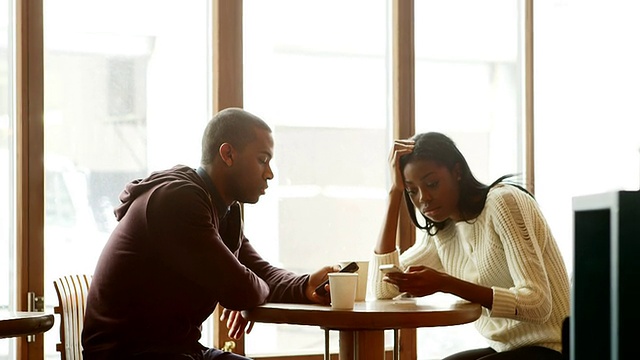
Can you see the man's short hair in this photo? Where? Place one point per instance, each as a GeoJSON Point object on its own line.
{"type": "Point", "coordinates": [232, 125]}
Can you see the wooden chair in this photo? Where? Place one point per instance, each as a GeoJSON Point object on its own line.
{"type": "Point", "coordinates": [72, 291]}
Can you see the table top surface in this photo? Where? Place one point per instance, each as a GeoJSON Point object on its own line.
{"type": "Point", "coordinates": [20, 323]}
{"type": "Point", "coordinates": [371, 315]}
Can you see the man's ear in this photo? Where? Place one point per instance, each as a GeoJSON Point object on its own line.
{"type": "Point", "coordinates": [227, 153]}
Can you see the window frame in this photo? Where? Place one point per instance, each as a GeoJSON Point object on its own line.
{"type": "Point", "coordinates": [227, 85]}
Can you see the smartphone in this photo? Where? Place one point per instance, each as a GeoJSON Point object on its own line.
{"type": "Point", "coordinates": [351, 268]}
{"type": "Point", "coordinates": [389, 268]}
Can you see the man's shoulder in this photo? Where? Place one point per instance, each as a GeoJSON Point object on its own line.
{"type": "Point", "coordinates": [176, 172]}
{"type": "Point", "coordinates": [177, 185]}
{"type": "Point", "coordinates": [177, 189]}
{"type": "Point", "coordinates": [179, 174]}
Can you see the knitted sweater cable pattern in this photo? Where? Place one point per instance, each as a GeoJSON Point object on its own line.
{"type": "Point", "coordinates": [509, 248]}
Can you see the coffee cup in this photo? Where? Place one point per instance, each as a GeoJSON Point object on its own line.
{"type": "Point", "coordinates": [343, 289]}
{"type": "Point", "coordinates": [363, 272]}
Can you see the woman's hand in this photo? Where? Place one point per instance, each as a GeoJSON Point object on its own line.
{"type": "Point", "coordinates": [422, 281]}
{"type": "Point", "coordinates": [387, 240]}
{"type": "Point", "coordinates": [417, 280]}
{"type": "Point", "coordinates": [236, 323]}
{"type": "Point", "coordinates": [400, 148]}
{"type": "Point", "coordinates": [316, 279]}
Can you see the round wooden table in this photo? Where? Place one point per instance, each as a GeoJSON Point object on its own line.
{"type": "Point", "coordinates": [362, 329]}
{"type": "Point", "coordinates": [20, 323]}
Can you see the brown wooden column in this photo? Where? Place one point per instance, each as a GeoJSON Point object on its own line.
{"type": "Point", "coordinates": [227, 54]}
{"type": "Point", "coordinates": [528, 86]}
{"type": "Point", "coordinates": [30, 161]}
{"type": "Point", "coordinates": [227, 92]}
{"type": "Point", "coordinates": [403, 92]}
{"type": "Point", "coordinates": [404, 125]}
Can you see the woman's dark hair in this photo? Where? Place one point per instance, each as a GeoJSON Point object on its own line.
{"type": "Point", "coordinates": [439, 148]}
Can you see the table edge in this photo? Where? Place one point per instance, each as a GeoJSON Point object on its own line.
{"type": "Point", "coordinates": [31, 325]}
{"type": "Point", "coordinates": [325, 317]}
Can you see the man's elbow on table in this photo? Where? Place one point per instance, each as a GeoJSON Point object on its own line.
{"type": "Point", "coordinates": [242, 298]}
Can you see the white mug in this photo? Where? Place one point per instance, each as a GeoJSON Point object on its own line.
{"type": "Point", "coordinates": [363, 273]}
{"type": "Point", "coordinates": [343, 289]}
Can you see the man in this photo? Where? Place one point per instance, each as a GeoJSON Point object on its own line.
{"type": "Point", "coordinates": [179, 250]}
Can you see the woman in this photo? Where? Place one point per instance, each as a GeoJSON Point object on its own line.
{"type": "Point", "coordinates": [487, 244]}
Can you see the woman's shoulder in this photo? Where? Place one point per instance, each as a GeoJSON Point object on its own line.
{"type": "Point", "coordinates": [509, 194]}
{"type": "Point", "coordinates": [508, 189]}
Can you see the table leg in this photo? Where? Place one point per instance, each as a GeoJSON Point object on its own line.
{"type": "Point", "coordinates": [396, 344]}
{"type": "Point", "coordinates": [347, 341]}
{"type": "Point", "coordinates": [327, 354]}
{"type": "Point", "coordinates": [362, 345]}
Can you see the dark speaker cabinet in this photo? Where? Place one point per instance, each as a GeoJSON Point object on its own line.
{"type": "Point", "coordinates": [605, 311]}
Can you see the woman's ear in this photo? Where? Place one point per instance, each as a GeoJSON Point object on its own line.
{"type": "Point", "coordinates": [227, 153]}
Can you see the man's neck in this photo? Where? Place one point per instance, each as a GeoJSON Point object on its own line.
{"type": "Point", "coordinates": [215, 186]}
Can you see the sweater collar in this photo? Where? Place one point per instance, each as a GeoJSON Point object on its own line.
{"type": "Point", "coordinates": [220, 206]}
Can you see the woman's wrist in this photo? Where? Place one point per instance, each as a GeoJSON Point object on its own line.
{"type": "Point", "coordinates": [383, 249]}
{"type": "Point", "coordinates": [446, 283]}
{"type": "Point", "coordinates": [467, 290]}
{"type": "Point", "coordinates": [396, 189]}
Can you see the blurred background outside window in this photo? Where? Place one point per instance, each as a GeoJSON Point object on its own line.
{"type": "Point", "coordinates": [7, 171]}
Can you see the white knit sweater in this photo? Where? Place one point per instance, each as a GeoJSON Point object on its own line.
{"type": "Point", "coordinates": [509, 248]}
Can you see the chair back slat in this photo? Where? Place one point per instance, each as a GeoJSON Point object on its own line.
{"type": "Point", "coordinates": [72, 291]}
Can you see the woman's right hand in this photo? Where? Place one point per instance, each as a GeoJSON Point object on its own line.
{"type": "Point", "coordinates": [400, 147]}
{"type": "Point", "coordinates": [387, 239]}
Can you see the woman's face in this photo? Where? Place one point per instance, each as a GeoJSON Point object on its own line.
{"type": "Point", "coordinates": [433, 189]}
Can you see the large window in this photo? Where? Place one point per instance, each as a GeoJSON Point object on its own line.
{"type": "Point", "coordinates": [587, 124]}
{"type": "Point", "coordinates": [126, 92]}
{"type": "Point", "coordinates": [321, 83]}
{"type": "Point", "coordinates": [469, 80]}
{"type": "Point", "coordinates": [468, 85]}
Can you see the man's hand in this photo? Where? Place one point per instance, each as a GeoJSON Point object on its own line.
{"type": "Point", "coordinates": [236, 324]}
{"type": "Point", "coordinates": [316, 279]}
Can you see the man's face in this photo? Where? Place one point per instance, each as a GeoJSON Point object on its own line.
{"type": "Point", "coordinates": [251, 168]}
